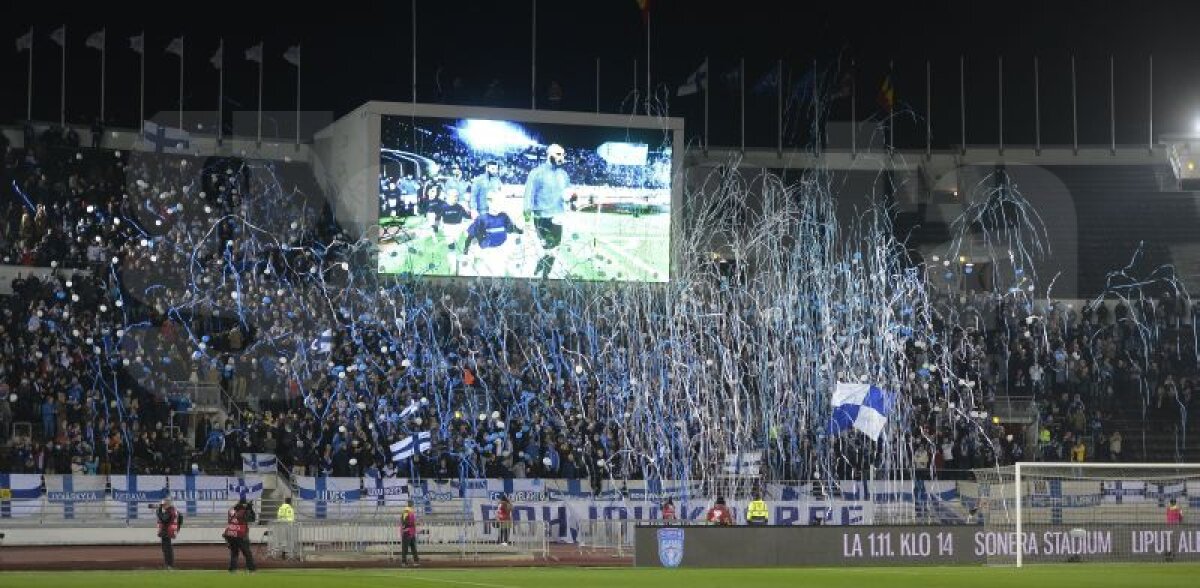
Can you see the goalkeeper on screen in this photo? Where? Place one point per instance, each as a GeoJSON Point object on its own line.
{"type": "Point", "coordinates": [545, 193]}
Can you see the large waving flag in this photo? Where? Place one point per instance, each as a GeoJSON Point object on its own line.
{"type": "Point", "coordinates": [404, 449]}
{"type": "Point", "coordinates": [860, 406]}
{"type": "Point", "coordinates": [696, 82]}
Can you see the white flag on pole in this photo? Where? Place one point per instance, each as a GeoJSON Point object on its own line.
{"type": "Point", "coordinates": [176, 46]}
{"type": "Point", "coordinates": [138, 43]}
{"type": "Point", "coordinates": [25, 42]}
{"type": "Point", "coordinates": [293, 55]}
{"type": "Point", "coordinates": [59, 36]}
{"type": "Point", "coordinates": [255, 53]}
{"type": "Point", "coordinates": [217, 57]}
{"type": "Point", "coordinates": [96, 40]}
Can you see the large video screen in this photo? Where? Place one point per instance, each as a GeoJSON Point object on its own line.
{"type": "Point", "coordinates": [501, 198]}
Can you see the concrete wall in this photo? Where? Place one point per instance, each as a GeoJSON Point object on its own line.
{"type": "Point", "coordinates": [141, 535]}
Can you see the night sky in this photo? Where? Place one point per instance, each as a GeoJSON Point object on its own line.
{"type": "Point", "coordinates": [360, 54]}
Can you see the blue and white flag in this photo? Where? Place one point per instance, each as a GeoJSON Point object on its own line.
{"type": "Point", "coordinates": [324, 343]}
{"type": "Point", "coordinates": [258, 462]}
{"type": "Point", "coordinates": [404, 449]}
{"type": "Point", "coordinates": [164, 137]}
{"type": "Point", "coordinates": [20, 495]}
{"type": "Point", "coordinates": [410, 410]}
{"type": "Point", "coordinates": [696, 82]}
{"type": "Point", "coordinates": [860, 406]}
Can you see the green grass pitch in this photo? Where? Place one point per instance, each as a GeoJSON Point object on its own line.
{"type": "Point", "coordinates": [1049, 576]}
{"type": "Point", "coordinates": [595, 246]}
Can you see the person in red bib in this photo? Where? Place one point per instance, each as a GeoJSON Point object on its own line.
{"type": "Point", "coordinates": [1174, 517]}
{"type": "Point", "coordinates": [1174, 513]}
{"type": "Point", "coordinates": [408, 535]}
{"type": "Point", "coordinates": [668, 510]}
{"type": "Point", "coordinates": [169, 523]}
{"type": "Point", "coordinates": [237, 534]}
{"type": "Point", "coordinates": [720, 514]}
{"type": "Point", "coordinates": [504, 519]}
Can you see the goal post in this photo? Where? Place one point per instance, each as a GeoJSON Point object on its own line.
{"type": "Point", "coordinates": [1036, 512]}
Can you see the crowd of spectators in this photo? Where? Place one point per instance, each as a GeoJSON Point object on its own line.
{"type": "Point", "coordinates": [173, 273]}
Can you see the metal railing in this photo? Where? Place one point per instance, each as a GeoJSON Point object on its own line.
{"type": "Point", "coordinates": [311, 540]}
{"type": "Point", "coordinates": [203, 396]}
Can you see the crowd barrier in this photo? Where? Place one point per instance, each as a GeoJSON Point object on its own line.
{"type": "Point", "coordinates": [315, 539]}
{"type": "Point", "coordinates": [79, 499]}
{"type": "Point", "coordinates": [564, 506]}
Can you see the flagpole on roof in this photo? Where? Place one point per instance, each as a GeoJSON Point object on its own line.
{"type": "Point", "coordinates": [1112, 104]}
{"type": "Point", "coordinates": [62, 102]}
{"type": "Point", "coordinates": [1000, 97]}
{"type": "Point", "coordinates": [649, 91]}
{"type": "Point", "coordinates": [180, 106]}
{"type": "Point", "coordinates": [298, 47]}
{"type": "Point", "coordinates": [742, 91]}
{"type": "Point", "coordinates": [29, 82]}
{"type": "Point", "coordinates": [891, 108]}
{"type": "Point", "coordinates": [818, 124]}
{"type": "Point", "coordinates": [260, 92]}
{"type": "Point", "coordinates": [597, 85]}
{"type": "Point", "coordinates": [1074, 111]}
{"type": "Point", "coordinates": [414, 51]}
{"type": "Point", "coordinates": [853, 114]}
{"type": "Point", "coordinates": [928, 109]}
{"type": "Point", "coordinates": [533, 58]}
{"type": "Point", "coordinates": [220, 91]}
{"type": "Point", "coordinates": [1037, 109]}
{"type": "Point", "coordinates": [779, 108]}
{"type": "Point", "coordinates": [103, 68]}
{"type": "Point", "coordinates": [142, 83]}
{"type": "Point", "coordinates": [707, 70]}
{"type": "Point", "coordinates": [962, 103]}
{"type": "Point", "coordinates": [635, 86]}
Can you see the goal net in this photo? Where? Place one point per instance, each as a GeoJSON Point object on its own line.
{"type": "Point", "coordinates": [1087, 512]}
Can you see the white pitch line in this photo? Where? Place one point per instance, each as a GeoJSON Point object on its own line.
{"type": "Point", "coordinates": [401, 575]}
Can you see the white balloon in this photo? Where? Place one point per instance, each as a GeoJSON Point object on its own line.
{"type": "Point", "coordinates": [353, 461]}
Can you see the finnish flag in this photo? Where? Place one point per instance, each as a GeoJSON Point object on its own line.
{"type": "Point", "coordinates": [860, 406]}
{"type": "Point", "coordinates": [403, 449]}
{"type": "Point", "coordinates": [324, 343]}
{"type": "Point", "coordinates": [410, 410]}
{"type": "Point", "coordinates": [164, 137]}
